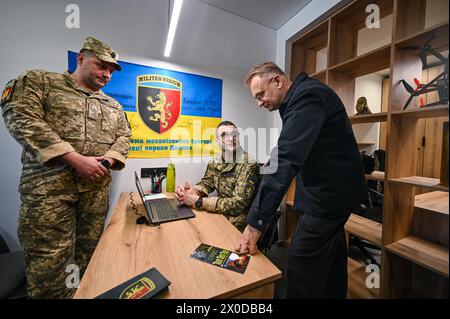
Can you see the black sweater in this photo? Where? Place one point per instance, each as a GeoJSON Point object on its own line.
{"type": "Point", "coordinates": [317, 145]}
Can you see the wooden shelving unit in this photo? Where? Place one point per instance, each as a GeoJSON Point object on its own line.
{"type": "Point", "coordinates": [364, 228]}
{"type": "Point", "coordinates": [434, 202]}
{"type": "Point", "coordinates": [426, 112]}
{"type": "Point", "coordinates": [368, 118]}
{"type": "Point", "coordinates": [367, 63]}
{"type": "Point", "coordinates": [422, 252]}
{"type": "Point", "coordinates": [414, 235]}
{"type": "Point", "coordinates": [357, 282]}
{"type": "Point", "coordinates": [419, 181]}
{"type": "Point", "coordinates": [376, 175]}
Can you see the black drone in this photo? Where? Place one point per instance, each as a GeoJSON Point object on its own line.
{"type": "Point", "coordinates": [439, 83]}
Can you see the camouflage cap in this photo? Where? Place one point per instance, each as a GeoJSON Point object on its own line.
{"type": "Point", "coordinates": [102, 51]}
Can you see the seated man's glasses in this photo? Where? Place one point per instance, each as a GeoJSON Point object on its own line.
{"type": "Point", "coordinates": [224, 135]}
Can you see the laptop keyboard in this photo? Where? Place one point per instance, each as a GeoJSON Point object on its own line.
{"type": "Point", "coordinates": [163, 209]}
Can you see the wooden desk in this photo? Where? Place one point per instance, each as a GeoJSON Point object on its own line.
{"type": "Point", "coordinates": [127, 249]}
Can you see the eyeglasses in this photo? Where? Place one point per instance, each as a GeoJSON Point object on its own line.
{"type": "Point", "coordinates": [224, 135]}
{"type": "Point", "coordinates": [260, 95]}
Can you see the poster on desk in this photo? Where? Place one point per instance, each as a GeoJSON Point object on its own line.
{"type": "Point", "coordinates": [171, 113]}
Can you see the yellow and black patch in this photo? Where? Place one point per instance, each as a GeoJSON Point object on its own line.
{"type": "Point", "coordinates": [7, 92]}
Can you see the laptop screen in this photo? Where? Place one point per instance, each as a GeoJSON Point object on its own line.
{"type": "Point", "coordinates": [139, 186]}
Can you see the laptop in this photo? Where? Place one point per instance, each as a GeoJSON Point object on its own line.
{"type": "Point", "coordinates": [161, 209]}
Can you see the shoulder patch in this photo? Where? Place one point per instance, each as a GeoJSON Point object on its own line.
{"type": "Point", "coordinates": [7, 92]}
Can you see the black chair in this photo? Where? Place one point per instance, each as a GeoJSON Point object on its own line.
{"type": "Point", "coordinates": [12, 272]}
{"type": "Point", "coordinates": [373, 208]}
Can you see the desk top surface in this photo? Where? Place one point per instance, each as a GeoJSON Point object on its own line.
{"type": "Point", "coordinates": [127, 249]}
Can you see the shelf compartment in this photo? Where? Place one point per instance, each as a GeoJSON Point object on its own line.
{"type": "Point", "coordinates": [368, 118]}
{"type": "Point", "coordinates": [425, 112]}
{"type": "Point", "coordinates": [376, 175]}
{"type": "Point", "coordinates": [357, 281]}
{"type": "Point", "coordinates": [419, 181]}
{"type": "Point", "coordinates": [354, 15]}
{"type": "Point", "coordinates": [364, 228]}
{"type": "Point", "coordinates": [439, 43]}
{"type": "Point", "coordinates": [422, 252]}
{"type": "Point", "coordinates": [365, 144]}
{"type": "Point", "coordinates": [436, 202]}
{"type": "Point", "coordinates": [370, 62]}
{"type": "Point", "coordinates": [305, 51]}
{"type": "Point", "coordinates": [321, 75]}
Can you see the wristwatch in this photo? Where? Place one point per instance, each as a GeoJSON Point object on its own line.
{"type": "Point", "coordinates": [199, 202]}
{"type": "Point", "coordinates": [106, 163]}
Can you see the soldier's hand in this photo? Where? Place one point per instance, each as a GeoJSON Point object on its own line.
{"type": "Point", "coordinates": [93, 169]}
{"type": "Point", "coordinates": [248, 240]}
{"type": "Point", "coordinates": [179, 193]}
{"type": "Point", "coordinates": [187, 186]}
{"type": "Point", "coordinates": [90, 168]}
{"type": "Point", "coordinates": [190, 197]}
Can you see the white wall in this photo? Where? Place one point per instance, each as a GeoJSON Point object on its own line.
{"type": "Point", "coordinates": [208, 42]}
{"type": "Point", "coordinates": [370, 86]}
{"type": "Point", "coordinates": [286, 34]}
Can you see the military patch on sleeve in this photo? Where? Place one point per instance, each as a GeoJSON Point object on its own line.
{"type": "Point", "coordinates": [7, 92]}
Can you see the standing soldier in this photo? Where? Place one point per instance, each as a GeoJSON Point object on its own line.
{"type": "Point", "coordinates": [71, 134]}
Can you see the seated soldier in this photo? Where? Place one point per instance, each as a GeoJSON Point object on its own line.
{"type": "Point", "coordinates": [234, 174]}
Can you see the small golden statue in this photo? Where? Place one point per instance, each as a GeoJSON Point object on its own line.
{"type": "Point", "coordinates": [362, 107]}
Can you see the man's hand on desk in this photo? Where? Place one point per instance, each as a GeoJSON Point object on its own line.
{"type": "Point", "coordinates": [248, 240]}
{"type": "Point", "coordinates": [186, 194]}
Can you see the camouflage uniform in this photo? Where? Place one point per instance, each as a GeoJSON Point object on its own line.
{"type": "Point", "coordinates": [235, 184]}
{"type": "Point", "coordinates": [61, 216]}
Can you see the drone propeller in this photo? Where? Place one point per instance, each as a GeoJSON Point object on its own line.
{"type": "Point", "coordinates": [423, 49]}
{"type": "Point", "coordinates": [408, 87]}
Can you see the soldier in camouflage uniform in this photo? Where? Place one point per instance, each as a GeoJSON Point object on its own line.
{"type": "Point", "coordinates": [234, 174]}
{"type": "Point", "coordinates": [71, 133]}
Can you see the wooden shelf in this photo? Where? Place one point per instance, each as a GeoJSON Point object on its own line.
{"type": "Point", "coordinates": [357, 281]}
{"type": "Point", "coordinates": [436, 202]}
{"type": "Point", "coordinates": [365, 144]}
{"type": "Point", "coordinates": [419, 181]}
{"type": "Point", "coordinates": [413, 264]}
{"type": "Point", "coordinates": [425, 112]}
{"type": "Point", "coordinates": [364, 228]}
{"type": "Point", "coordinates": [439, 43]}
{"type": "Point", "coordinates": [370, 62]}
{"type": "Point", "coordinates": [321, 75]}
{"type": "Point", "coordinates": [368, 118]}
{"type": "Point", "coordinates": [376, 175]}
{"type": "Point", "coordinates": [422, 252]}
{"type": "Point", "coordinates": [351, 14]}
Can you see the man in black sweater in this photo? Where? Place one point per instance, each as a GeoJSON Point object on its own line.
{"type": "Point", "coordinates": [316, 145]}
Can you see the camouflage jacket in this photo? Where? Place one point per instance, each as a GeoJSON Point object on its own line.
{"type": "Point", "coordinates": [235, 184]}
{"type": "Point", "coordinates": [49, 114]}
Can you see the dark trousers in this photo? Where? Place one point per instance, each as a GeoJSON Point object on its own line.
{"type": "Point", "coordinates": [317, 259]}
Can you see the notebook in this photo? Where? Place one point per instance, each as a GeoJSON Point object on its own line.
{"type": "Point", "coordinates": [143, 286]}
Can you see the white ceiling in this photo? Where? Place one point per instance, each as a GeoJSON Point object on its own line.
{"type": "Point", "coordinates": [270, 13]}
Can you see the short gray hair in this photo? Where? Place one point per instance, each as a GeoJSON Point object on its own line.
{"type": "Point", "coordinates": [262, 69]}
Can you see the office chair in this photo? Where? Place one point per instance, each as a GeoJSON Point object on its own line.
{"type": "Point", "coordinates": [12, 272]}
{"type": "Point", "coordinates": [372, 209]}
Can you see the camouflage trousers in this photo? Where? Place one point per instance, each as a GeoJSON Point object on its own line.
{"type": "Point", "coordinates": [56, 231]}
